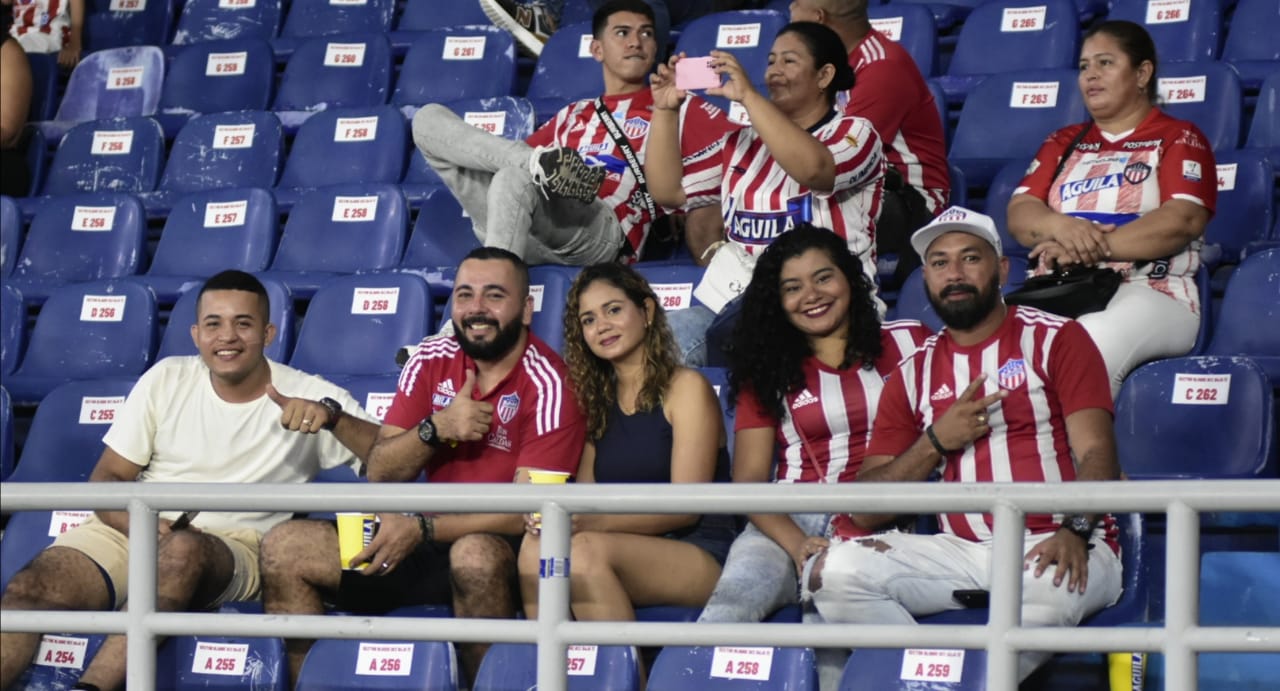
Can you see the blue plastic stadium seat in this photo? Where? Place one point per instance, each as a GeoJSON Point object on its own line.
{"type": "Point", "coordinates": [127, 23]}
{"type": "Point", "coordinates": [65, 439]}
{"type": "Point", "coordinates": [946, 13]}
{"type": "Point", "coordinates": [441, 237]}
{"type": "Point", "coordinates": [49, 675]}
{"type": "Point", "coordinates": [218, 151]}
{"type": "Point", "coordinates": [1249, 323]}
{"type": "Point", "coordinates": [11, 232]}
{"type": "Point", "coordinates": [13, 328]}
{"type": "Point", "coordinates": [1214, 416]}
{"type": "Point", "coordinates": [210, 662]}
{"type": "Point", "coordinates": [911, 26]}
{"type": "Point", "coordinates": [6, 435]}
{"type": "Point", "coordinates": [423, 15]}
{"type": "Point", "coordinates": [177, 334]}
{"type": "Point", "coordinates": [208, 232]}
{"type": "Point", "coordinates": [210, 20]}
{"type": "Point", "coordinates": [1264, 131]}
{"type": "Point", "coordinates": [1008, 116]}
{"type": "Point", "coordinates": [44, 86]}
{"type": "Point", "coordinates": [1011, 35]}
{"type": "Point", "coordinates": [341, 229]}
{"type": "Point", "coordinates": [882, 669]}
{"type": "Point", "coordinates": [514, 667]}
{"type": "Point", "coordinates": [374, 394]}
{"type": "Point", "coordinates": [998, 195]}
{"type": "Point", "coordinates": [680, 668]}
{"type": "Point", "coordinates": [120, 82]}
{"type": "Point", "coordinates": [673, 283]}
{"type": "Point", "coordinates": [91, 330]}
{"type": "Point", "coordinates": [509, 116]}
{"type": "Point", "coordinates": [1251, 46]}
{"type": "Point", "coordinates": [80, 237]}
{"type": "Point", "coordinates": [1185, 33]}
{"type": "Point", "coordinates": [345, 145]}
{"type": "Point", "coordinates": [1245, 206]}
{"type": "Point", "coordinates": [340, 71]}
{"type": "Point", "coordinates": [748, 34]}
{"type": "Point", "coordinates": [452, 64]}
{"type": "Point", "coordinates": [565, 72]}
{"type": "Point", "coordinates": [309, 18]}
{"type": "Point", "coordinates": [1206, 93]}
{"type": "Point", "coordinates": [217, 76]}
{"type": "Point", "coordinates": [115, 155]}
{"type": "Point", "coordinates": [355, 324]}
{"type": "Point", "coordinates": [340, 665]}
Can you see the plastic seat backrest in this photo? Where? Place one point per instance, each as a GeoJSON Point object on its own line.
{"type": "Point", "coordinates": [347, 145]}
{"type": "Point", "coordinates": [1207, 94]}
{"type": "Point", "coordinates": [344, 229]}
{"type": "Point", "coordinates": [13, 328]}
{"type": "Point", "coordinates": [177, 334]}
{"type": "Point", "coordinates": [218, 76]}
{"type": "Point", "coordinates": [208, 232]}
{"type": "Point", "coordinates": [680, 668]}
{"type": "Point", "coordinates": [115, 155]}
{"type": "Point", "coordinates": [422, 15]}
{"type": "Point", "coordinates": [264, 668]}
{"type": "Point", "coordinates": [452, 64]}
{"type": "Point", "coordinates": [337, 71]}
{"type": "Point", "coordinates": [44, 85]}
{"type": "Point", "coordinates": [1264, 130]}
{"type": "Point", "coordinates": [998, 195]}
{"type": "Point", "coordinates": [1245, 207]}
{"type": "Point", "coordinates": [883, 669]}
{"type": "Point", "coordinates": [1252, 33]}
{"type": "Point", "coordinates": [323, 17]}
{"type": "Point", "coordinates": [912, 27]}
{"type": "Point", "coordinates": [1017, 34]}
{"type": "Point", "coordinates": [565, 71]}
{"type": "Point", "coordinates": [209, 20]}
{"type": "Point", "coordinates": [514, 667]}
{"type": "Point", "coordinates": [84, 237]}
{"type": "Point", "coordinates": [6, 435]}
{"type": "Point", "coordinates": [549, 286]}
{"type": "Point", "coordinates": [1186, 33]}
{"type": "Point", "coordinates": [442, 235]}
{"type": "Point", "coordinates": [1249, 318]}
{"type": "Point", "coordinates": [355, 324]}
{"type": "Point", "coordinates": [65, 439]}
{"type": "Point", "coordinates": [11, 232]}
{"type": "Point", "coordinates": [130, 23]}
{"type": "Point", "coordinates": [119, 82]}
{"type": "Point", "coordinates": [220, 150]}
{"type": "Point", "coordinates": [331, 665]}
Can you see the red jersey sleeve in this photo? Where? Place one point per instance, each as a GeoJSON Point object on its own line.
{"type": "Point", "coordinates": [412, 401]}
{"type": "Point", "coordinates": [1078, 371]}
{"type": "Point", "coordinates": [1038, 179]}
{"type": "Point", "coordinates": [703, 130]}
{"type": "Point", "coordinates": [553, 435]}
{"type": "Point", "coordinates": [881, 94]}
{"type": "Point", "coordinates": [859, 157]}
{"type": "Point", "coordinates": [749, 414]}
{"type": "Point", "coordinates": [896, 427]}
{"type": "Point", "coordinates": [1188, 170]}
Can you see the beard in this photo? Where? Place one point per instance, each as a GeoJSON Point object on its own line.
{"type": "Point", "coordinates": [965, 314]}
{"type": "Point", "coordinates": [504, 339]}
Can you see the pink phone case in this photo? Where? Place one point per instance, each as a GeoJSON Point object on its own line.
{"type": "Point", "coordinates": [696, 73]}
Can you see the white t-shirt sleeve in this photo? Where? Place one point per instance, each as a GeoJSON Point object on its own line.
{"type": "Point", "coordinates": [133, 433]}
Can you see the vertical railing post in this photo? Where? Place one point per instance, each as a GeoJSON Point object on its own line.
{"type": "Point", "coordinates": [141, 675]}
{"type": "Point", "coordinates": [553, 597]}
{"type": "Point", "coordinates": [1182, 605]}
{"type": "Point", "coordinates": [1006, 600]}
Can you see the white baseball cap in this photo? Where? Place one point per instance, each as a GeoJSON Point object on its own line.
{"type": "Point", "coordinates": [957, 218]}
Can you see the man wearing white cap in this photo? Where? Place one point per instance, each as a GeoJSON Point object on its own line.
{"type": "Point", "coordinates": [1003, 394]}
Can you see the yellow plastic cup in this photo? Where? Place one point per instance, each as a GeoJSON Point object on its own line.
{"type": "Point", "coordinates": [355, 532]}
{"type": "Point", "coordinates": [1126, 670]}
{"type": "Point", "coordinates": [546, 477]}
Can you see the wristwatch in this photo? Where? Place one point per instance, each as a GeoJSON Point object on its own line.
{"type": "Point", "coordinates": [1080, 525]}
{"type": "Point", "coordinates": [335, 411]}
{"type": "Point", "coordinates": [428, 434]}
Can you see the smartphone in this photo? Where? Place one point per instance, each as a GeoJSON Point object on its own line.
{"type": "Point", "coordinates": [972, 599]}
{"type": "Point", "coordinates": [696, 73]}
{"type": "Point", "coordinates": [184, 520]}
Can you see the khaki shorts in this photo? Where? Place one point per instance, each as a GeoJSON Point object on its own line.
{"type": "Point", "coordinates": [109, 548]}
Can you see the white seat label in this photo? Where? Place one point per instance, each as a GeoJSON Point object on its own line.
{"type": "Point", "coordinates": [94, 219]}
{"type": "Point", "coordinates": [62, 521]}
{"type": "Point", "coordinates": [738, 114]}
{"type": "Point", "coordinates": [355, 209]}
{"type": "Point", "coordinates": [891, 27]}
{"type": "Point", "coordinates": [111, 142]}
{"type": "Point", "coordinates": [225, 214]}
{"type": "Point", "coordinates": [1017, 19]}
{"type": "Point", "coordinates": [348, 2]}
{"type": "Point", "coordinates": [493, 123]}
{"type": "Point", "coordinates": [944, 666]}
{"type": "Point", "coordinates": [673, 296]}
{"type": "Point", "coordinates": [584, 45]}
{"type": "Point", "coordinates": [377, 403]}
{"type": "Point", "coordinates": [375, 300]}
{"type": "Point", "coordinates": [124, 78]}
{"type": "Point", "coordinates": [62, 651]}
{"type": "Point", "coordinates": [226, 64]}
{"type": "Point", "coordinates": [1201, 389]}
{"type": "Point", "coordinates": [102, 308]}
{"type": "Point", "coordinates": [223, 659]}
{"type": "Point", "coordinates": [1182, 89]}
{"type": "Point", "coordinates": [582, 660]}
{"type": "Point", "coordinates": [99, 410]}
{"type": "Point", "coordinates": [536, 293]}
{"type": "Point", "coordinates": [127, 5]}
{"type": "Point", "coordinates": [384, 659]}
{"type": "Point", "coordinates": [237, 4]}
{"type": "Point", "coordinates": [730, 662]}
{"type": "Point", "coordinates": [1034, 95]}
{"type": "Point", "coordinates": [738, 35]}
{"type": "Point", "coordinates": [233, 136]}
{"type": "Point", "coordinates": [1227, 176]}
{"type": "Point", "coordinates": [1168, 11]}
{"type": "Point", "coordinates": [344, 55]}
{"type": "Point", "coordinates": [356, 129]}
{"type": "Point", "coordinates": [464, 47]}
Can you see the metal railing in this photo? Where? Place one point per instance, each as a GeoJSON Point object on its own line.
{"type": "Point", "coordinates": [1179, 639]}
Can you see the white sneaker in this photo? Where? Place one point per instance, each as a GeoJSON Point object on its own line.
{"type": "Point", "coordinates": [530, 23]}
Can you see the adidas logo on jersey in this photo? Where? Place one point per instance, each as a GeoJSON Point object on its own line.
{"type": "Point", "coordinates": [446, 387]}
{"type": "Point", "coordinates": [944, 392]}
{"type": "Point", "coordinates": [805, 398]}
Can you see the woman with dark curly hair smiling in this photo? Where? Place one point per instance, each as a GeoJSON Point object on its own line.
{"type": "Point", "coordinates": [806, 366]}
{"type": "Point", "coordinates": [648, 420]}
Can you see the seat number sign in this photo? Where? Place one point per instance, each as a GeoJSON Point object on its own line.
{"type": "Point", "coordinates": [62, 521]}
{"type": "Point", "coordinates": [124, 78]}
{"type": "Point", "coordinates": [344, 55]}
{"type": "Point", "coordinates": [384, 659]}
{"type": "Point", "coordinates": [93, 219]}
{"type": "Point", "coordinates": [226, 64]}
{"type": "Point", "coordinates": [1023, 19]}
{"type": "Point", "coordinates": [223, 659]}
{"type": "Point", "coordinates": [225, 214]}
{"type": "Point", "coordinates": [729, 662]}
{"type": "Point", "coordinates": [62, 651]}
{"type": "Point", "coordinates": [582, 660]}
{"type": "Point", "coordinates": [1034, 95]}
{"type": "Point", "coordinates": [111, 142]}
{"type": "Point", "coordinates": [944, 666]}
{"type": "Point", "coordinates": [375, 300]}
{"type": "Point", "coordinates": [738, 36]}
{"type": "Point", "coordinates": [464, 47]}
{"type": "Point", "coordinates": [493, 123]}
{"type": "Point", "coordinates": [356, 129]}
{"type": "Point", "coordinates": [1201, 389]}
{"type": "Point", "coordinates": [99, 410]}
{"type": "Point", "coordinates": [674, 296]}
{"type": "Point", "coordinates": [102, 308]}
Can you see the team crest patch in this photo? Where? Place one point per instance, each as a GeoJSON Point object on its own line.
{"type": "Point", "coordinates": [1191, 171]}
{"type": "Point", "coordinates": [507, 407]}
{"type": "Point", "coordinates": [1012, 374]}
{"type": "Point", "coordinates": [1136, 173]}
{"type": "Point", "coordinates": [635, 128]}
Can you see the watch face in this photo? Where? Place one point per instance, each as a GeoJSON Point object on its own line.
{"type": "Point", "coordinates": [426, 431]}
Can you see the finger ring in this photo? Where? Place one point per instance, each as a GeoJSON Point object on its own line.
{"type": "Point", "coordinates": [385, 566]}
{"type": "Point", "coordinates": [982, 419]}
{"type": "Point", "coordinates": [306, 421]}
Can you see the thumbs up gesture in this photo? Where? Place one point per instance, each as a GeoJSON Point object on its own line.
{"type": "Point", "coordinates": [464, 419]}
{"type": "Point", "coordinates": [299, 414]}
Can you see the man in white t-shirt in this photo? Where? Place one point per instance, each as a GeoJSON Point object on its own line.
{"type": "Point", "coordinates": [228, 415]}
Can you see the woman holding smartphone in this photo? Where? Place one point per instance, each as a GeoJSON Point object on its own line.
{"type": "Point", "coordinates": [799, 161]}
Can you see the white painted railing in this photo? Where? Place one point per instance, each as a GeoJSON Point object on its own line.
{"type": "Point", "coordinates": [1179, 639]}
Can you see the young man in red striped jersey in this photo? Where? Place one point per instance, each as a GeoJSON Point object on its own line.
{"type": "Point", "coordinates": [569, 194]}
{"type": "Point", "coordinates": [1003, 394]}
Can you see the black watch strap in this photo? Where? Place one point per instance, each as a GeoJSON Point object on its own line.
{"type": "Point", "coordinates": [1079, 525]}
{"type": "Point", "coordinates": [335, 412]}
{"type": "Point", "coordinates": [428, 433]}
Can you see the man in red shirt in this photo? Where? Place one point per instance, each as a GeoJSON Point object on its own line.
{"type": "Point", "coordinates": [486, 405]}
{"type": "Point", "coordinates": [892, 94]}
{"type": "Point", "coordinates": [1003, 394]}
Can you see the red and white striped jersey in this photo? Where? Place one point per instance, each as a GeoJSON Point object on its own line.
{"type": "Point", "coordinates": [830, 416]}
{"type": "Point", "coordinates": [42, 16]}
{"type": "Point", "coordinates": [1050, 368]}
{"type": "Point", "coordinates": [760, 201]}
{"type": "Point", "coordinates": [702, 125]}
{"type": "Point", "coordinates": [890, 92]}
{"type": "Point", "coordinates": [1118, 179]}
{"type": "Point", "coordinates": [536, 422]}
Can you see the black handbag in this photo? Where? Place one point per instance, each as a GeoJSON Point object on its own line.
{"type": "Point", "coordinates": [1069, 293]}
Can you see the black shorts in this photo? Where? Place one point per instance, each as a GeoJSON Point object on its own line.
{"type": "Point", "coordinates": [421, 579]}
